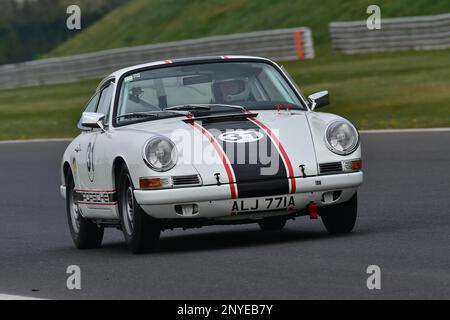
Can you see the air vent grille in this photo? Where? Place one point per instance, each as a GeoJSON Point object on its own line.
{"type": "Point", "coordinates": [330, 167]}
{"type": "Point", "coordinates": [186, 180]}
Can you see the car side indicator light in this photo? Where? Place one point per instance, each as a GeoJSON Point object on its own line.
{"type": "Point", "coordinates": [155, 183]}
{"type": "Point", "coordinates": [356, 165]}
{"type": "Point", "coordinates": [352, 165]}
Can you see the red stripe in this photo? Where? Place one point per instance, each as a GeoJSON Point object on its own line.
{"type": "Point", "coordinates": [222, 155]}
{"type": "Point", "coordinates": [282, 151]}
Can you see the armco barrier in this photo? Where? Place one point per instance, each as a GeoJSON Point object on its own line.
{"type": "Point", "coordinates": [282, 44]}
{"type": "Point", "coordinates": [408, 33]}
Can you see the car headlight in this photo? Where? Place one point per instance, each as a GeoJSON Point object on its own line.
{"type": "Point", "coordinates": [160, 154]}
{"type": "Point", "coordinates": [341, 137]}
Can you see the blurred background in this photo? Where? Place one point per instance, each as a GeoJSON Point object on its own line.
{"type": "Point", "coordinates": [399, 87]}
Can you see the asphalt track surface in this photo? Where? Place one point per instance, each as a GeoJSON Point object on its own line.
{"type": "Point", "coordinates": [403, 227]}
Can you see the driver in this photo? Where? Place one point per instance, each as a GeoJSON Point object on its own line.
{"type": "Point", "coordinates": [231, 90]}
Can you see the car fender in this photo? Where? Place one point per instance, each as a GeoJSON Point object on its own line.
{"type": "Point", "coordinates": [318, 122]}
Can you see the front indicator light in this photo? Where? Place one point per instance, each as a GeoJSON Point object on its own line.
{"type": "Point", "coordinates": [155, 183]}
{"type": "Point", "coordinates": [356, 165]}
{"type": "Point", "coordinates": [352, 165]}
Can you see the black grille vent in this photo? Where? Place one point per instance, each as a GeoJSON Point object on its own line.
{"type": "Point", "coordinates": [186, 180]}
{"type": "Point", "coordinates": [330, 167]}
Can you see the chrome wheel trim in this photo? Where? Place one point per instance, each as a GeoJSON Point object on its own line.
{"type": "Point", "coordinates": [74, 213]}
{"type": "Point", "coordinates": [128, 207]}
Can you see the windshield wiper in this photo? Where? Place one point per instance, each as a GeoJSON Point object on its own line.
{"type": "Point", "coordinates": [188, 107]}
{"type": "Point", "coordinates": [144, 114]}
{"type": "Point", "coordinates": [150, 114]}
{"type": "Point", "coordinates": [222, 117]}
{"type": "Point", "coordinates": [203, 106]}
{"type": "Point", "coordinates": [180, 109]}
{"type": "Point", "coordinates": [233, 106]}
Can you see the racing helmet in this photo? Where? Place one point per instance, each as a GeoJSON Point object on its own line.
{"type": "Point", "coordinates": [231, 90]}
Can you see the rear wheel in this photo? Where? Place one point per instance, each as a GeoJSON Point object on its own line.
{"type": "Point", "coordinates": [272, 223]}
{"type": "Point", "coordinates": [340, 218]}
{"type": "Point", "coordinates": [141, 231]}
{"type": "Point", "coordinates": [85, 233]}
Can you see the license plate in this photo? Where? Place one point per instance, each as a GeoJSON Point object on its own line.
{"type": "Point", "coordinates": [263, 204]}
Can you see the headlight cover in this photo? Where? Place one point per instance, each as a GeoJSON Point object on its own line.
{"type": "Point", "coordinates": [341, 137]}
{"type": "Point", "coordinates": [160, 154]}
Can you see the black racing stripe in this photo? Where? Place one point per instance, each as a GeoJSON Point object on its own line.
{"type": "Point", "coordinates": [248, 161]}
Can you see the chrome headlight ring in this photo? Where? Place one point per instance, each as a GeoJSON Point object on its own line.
{"type": "Point", "coordinates": [160, 154]}
{"type": "Point", "coordinates": [341, 137]}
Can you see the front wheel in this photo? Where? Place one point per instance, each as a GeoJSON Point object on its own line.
{"type": "Point", "coordinates": [141, 231]}
{"type": "Point", "coordinates": [340, 218]}
{"type": "Point", "coordinates": [85, 233]}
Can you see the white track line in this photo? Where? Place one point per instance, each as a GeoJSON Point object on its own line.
{"type": "Point", "coordinates": [36, 140]}
{"type": "Point", "coordinates": [12, 297]}
{"type": "Point", "coordinates": [406, 130]}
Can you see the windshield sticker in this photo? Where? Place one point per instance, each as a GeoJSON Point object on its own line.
{"type": "Point", "coordinates": [128, 79]}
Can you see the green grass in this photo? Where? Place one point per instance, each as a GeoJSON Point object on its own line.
{"type": "Point", "coordinates": [384, 90]}
{"type": "Point", "coordinates": [43, 112]}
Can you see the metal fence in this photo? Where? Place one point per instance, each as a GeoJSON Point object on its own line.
{"type": "Point", "coordinates": [282, 44]}
{"type": "Point", "coordinates": [409, 33]}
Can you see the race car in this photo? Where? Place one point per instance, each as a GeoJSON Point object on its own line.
{"type": "Point", "coordinates": [204, 141]}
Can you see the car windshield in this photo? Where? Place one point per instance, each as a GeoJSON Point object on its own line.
{"type": "Point", "coordinates": [209, 87]}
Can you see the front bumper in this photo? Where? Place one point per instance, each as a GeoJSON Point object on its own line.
{"type": "Point", "coordinates": [214, 201]}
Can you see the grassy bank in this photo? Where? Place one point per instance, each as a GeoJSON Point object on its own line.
{"type": "Point", "coordinates": [384, 90]}
{"type": "Point", "coordinates": [141, 22]}
{"type": "Point", "coordinates": [43, 112]}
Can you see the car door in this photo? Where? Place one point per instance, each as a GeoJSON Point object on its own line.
{"type": "Point", "coordinates": [101, 171]}
{"type": "Point", "coordinates": [99, 200]}
{"type": "Point", "coordinates": [82, 145]}
{"type": "Point", "coordinates": [92, 162]}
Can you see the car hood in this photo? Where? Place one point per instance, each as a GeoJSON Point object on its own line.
{"type": "Point", "coordinates": [271, 146]}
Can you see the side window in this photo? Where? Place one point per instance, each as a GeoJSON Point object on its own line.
{"type": "Point", "coordinates": [105, 102]}
{"type": "Point", "coordinates": [92, 104]}
{"type": "Point", "coordinates": [90, 107]}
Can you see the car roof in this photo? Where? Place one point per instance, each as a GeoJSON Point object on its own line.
{"type": "Point", "coordinates": [120, 72]}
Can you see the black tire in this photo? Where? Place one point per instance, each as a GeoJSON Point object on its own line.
{"type": "Point", "coordinates": [141, 231]}
{"type": "Point", "coordinates": [340, 218]}
{"type": "Point", "coordinates": [272, 223]}
{"type": "Point", "coordinates": [85, 233]}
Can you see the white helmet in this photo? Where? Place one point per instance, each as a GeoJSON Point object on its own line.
{"type": "Point", "coordinates": [231, 90]}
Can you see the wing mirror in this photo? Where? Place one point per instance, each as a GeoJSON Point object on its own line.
{"type": "Point", "coordinates": [319, 99]}
{"type": "Point", "coordinates": [92, 120]}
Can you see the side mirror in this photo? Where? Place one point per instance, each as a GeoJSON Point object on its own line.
{"type": "Point", "coordinates": [92, 120]}
{"type": "Point", "coordinates": [319, 99]}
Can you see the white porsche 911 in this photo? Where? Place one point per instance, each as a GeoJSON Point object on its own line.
{"type": "Point", "coordinates": [202, 141]}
